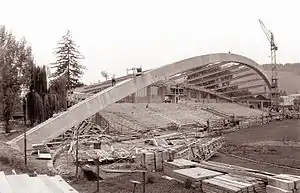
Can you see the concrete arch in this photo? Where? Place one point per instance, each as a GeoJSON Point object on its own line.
{"type": "Point", "coordinates": [95, 103]}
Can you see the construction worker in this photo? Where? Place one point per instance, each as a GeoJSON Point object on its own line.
{"type": "Point", "coordinates": [113, 80]}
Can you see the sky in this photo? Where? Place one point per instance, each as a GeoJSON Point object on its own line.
{"type": "Point", "coordinates": [117, 34]}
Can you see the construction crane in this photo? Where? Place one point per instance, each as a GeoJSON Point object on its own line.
{"type": "Point", "coordinates": [274, 81]}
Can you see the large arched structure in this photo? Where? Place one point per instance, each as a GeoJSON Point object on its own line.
{"type": "Point", "coordinates": [95, 103]}
{"type": "Point", "coordinates": [232, 80]}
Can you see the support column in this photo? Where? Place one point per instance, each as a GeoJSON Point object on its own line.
{"type": "Point", "coordinates": [162, 93]}
{"type": "Point", "coordinates": [198, 94]}
{"type": "Point", "coordinates": [261, 104]}
{"type": "Point", "coordinates": [208, 97]}
{"type": "Point", "coordinates": [188, 94]}
{"type": "Point", "coordinates": [149, 94]}
{"type": "Point", "coordinates": [133, 97]}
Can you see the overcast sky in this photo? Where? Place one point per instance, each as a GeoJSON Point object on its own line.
{"type": "Point", "coordinates": [115, 35]}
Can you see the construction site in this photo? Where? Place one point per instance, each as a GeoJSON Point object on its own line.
{"type": "Point", "coordinates": [212, 123]}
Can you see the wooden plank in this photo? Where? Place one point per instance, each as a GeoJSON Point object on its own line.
{"type": "Point", "coordinates": [272, 189]}
{"type": "Point", "coordinates": [63, 185]}
{"type": "Point", "coordinates": [295, 179]}
{"type": "Point", "coordinates": [4, 184]}
{"type": "Point", "coordinates": [281, 183]}
{"type": "Point", "coordinates": [195, 174]}
{"type": "Point", "coordinates": [123, 171]}
{"type": "Point", "coordinates": [220, 185]}
{"type": "Point", "coordinates": [19, 183]}
{"type": "Point", "coordinates": [50, 184]}
{"type": "Point", "coordinates": [243, 186]}
{"type": "Point", "coordinates": [38, 186]}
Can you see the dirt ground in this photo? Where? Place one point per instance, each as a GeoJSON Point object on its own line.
{"type": "Point", "coordinates": [275, 143]}
{"type": "Point", "coordinates": [122, 184]}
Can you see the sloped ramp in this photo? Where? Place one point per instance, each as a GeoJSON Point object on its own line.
{"type": "Point", "coordinates": [92, 105]}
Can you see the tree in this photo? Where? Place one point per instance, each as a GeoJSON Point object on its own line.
{"type": "Point", "coordinates": [39, 80]}
{"type": "Point", "coordinates": [58, 92]}
{"type": "Point", "coordinates": [67, 61]}
{"type": "Point", "coordinates": [16, 61]}
{"type": "Point", "coordinates": [104, 74]}
{"type": "Point", "coordinates": [35, 107]}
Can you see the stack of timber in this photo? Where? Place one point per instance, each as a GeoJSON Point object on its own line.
{"type": "Point", "coordinates": [200, 149]}
{"type": "Point", "coordinates": [195, 175]}
{"type": "Point", "coordinates": [283, 183]}
{"type": "Point", "coordinates": [227, 168]}
{"type": "Point", "coordinates": [233, 183]}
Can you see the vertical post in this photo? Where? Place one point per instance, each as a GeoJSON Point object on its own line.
{"type": "Point", "coordinates": [144, 160]}
{"type": "Point", "coordinates": [154, 161]}
{"type": "Point", "coordinates": [144, 182]}
{"type": "Point", "coordinates": [162, 160]}
{"type": "Point", "coordinates": [24, 110]}
{"type": "Point", "coordinates": [77, 140]}
{"type": "Point", "coordinates": [25, 147]}
{"type": "Point", "coordinates": [98, 175]}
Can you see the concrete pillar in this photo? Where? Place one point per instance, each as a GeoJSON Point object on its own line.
{"type": "Point", "coordinates": [188, 93]}
{"type": "Point", "coordinates": [133, 97]}
{"type": "Point", "coordinates": [198, 94]}
{"type": "Point", "coordinates": [162, 93]}
{"type": "Point", "coordinates": [98, 119]}
{"type": "Point", "coordinates": [208, 97]}
{"type": "Point", "coordinates": [261, 104]}
{"type": "Point", "coordinates": [149, 94]}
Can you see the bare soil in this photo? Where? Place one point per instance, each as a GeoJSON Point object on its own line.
{"type": "Point", "coordinates": [13, 159]}
{"type": "Point", "coordinates": [276, 143]}
{"type": "Point", "coordinates": [122, 184]}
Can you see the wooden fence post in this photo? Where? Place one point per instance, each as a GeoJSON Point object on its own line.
{"type": "Point", "coordinates": [154, 156]}
{"type": "Point", "coordinates": [77, 145]}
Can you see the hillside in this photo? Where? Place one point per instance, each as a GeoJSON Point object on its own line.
{"type": "Point", "coordinates": [288, 81]}
{"type": "Point", "coordinates": [289, 76]}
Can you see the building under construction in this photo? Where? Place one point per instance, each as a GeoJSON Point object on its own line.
{"type": "Point", "coordinates": [217, 82]}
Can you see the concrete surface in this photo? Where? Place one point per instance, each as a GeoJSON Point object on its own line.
{"type": "Point", "coordinates": [195, 174]}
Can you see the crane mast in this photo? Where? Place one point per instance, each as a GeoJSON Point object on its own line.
{"type": "Point", "coordinates": [274, 80]}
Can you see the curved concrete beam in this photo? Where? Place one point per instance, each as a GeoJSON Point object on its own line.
{"type": "Point", "coordinates": [73, 116]}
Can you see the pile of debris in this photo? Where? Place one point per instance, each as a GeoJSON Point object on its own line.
{"type": "Point", "coordinates": [103, 155]}
{"type": "Point", "coordinates": [86, 131]}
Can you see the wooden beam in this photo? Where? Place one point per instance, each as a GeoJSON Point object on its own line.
{"type": "Point", "coordinates": [213, 73]}
{"type": "Point", "coordinates": [244, 88]}
{"type": "Point", "coordinates": [238, 83]}
{"type": "Point", "coordinates": [123, 171]}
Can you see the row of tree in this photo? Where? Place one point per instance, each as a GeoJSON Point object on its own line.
{"type": "Point", "coordinates": [18, 72]}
